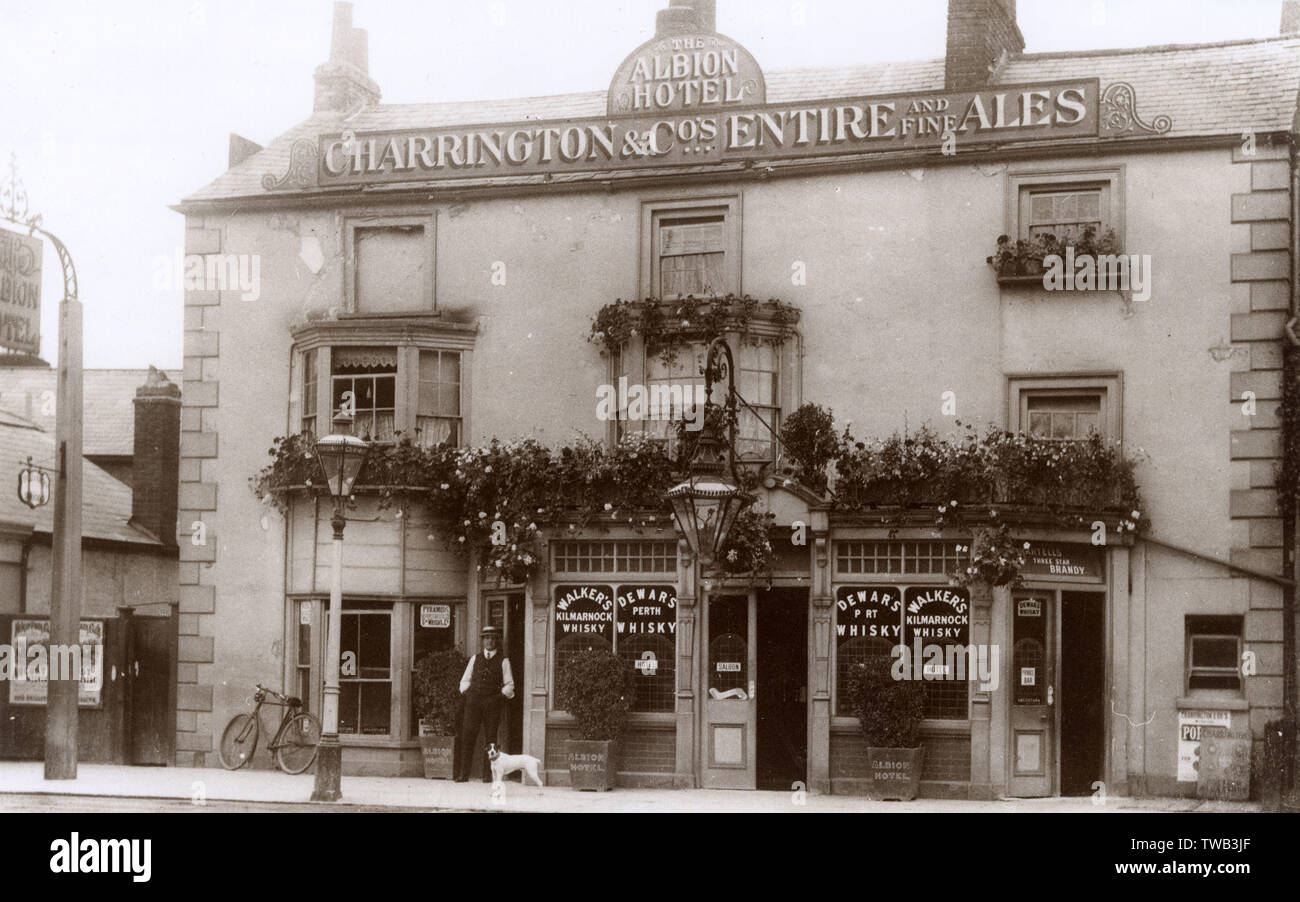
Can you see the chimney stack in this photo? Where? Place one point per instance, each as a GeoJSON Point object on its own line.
{"type": "Point", "coordinates": [156, 458]}
{"type": "Point", "coordinates": [344, 84]}
{"type": "Point", "coordinates": [1290, 17]}
{"type": "Point", "coordinates": [687, 17]}
{"type": "Point", "coordinates": [980, 34]}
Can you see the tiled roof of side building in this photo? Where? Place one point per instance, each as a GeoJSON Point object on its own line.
{"type": "Point", "coordinates": [107, 409]}
{"type": "Point", "coordinates": [1205, 89]}
{"type": "Point", "coordinates": [106, 503]}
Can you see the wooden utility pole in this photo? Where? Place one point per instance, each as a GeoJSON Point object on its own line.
{"type": "Point", "coordinates": [65, 596]}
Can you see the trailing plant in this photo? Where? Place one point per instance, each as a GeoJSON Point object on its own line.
{"type": "Point", "coordinates": [809, 439]}
{"type": "Point", "coordinates": [950, 475]}
{"type": "Point", "coordinates": [597, 687]}
{"type": "Point", "coordinates": [437, 690]}
{"type": "Point", "coordinates": [748, 550]}
{"type": "Point", "coordinates": [1020, 258]}
{"type": "Point", "coordinates": [667, 325]}
{"type": "Point", "coordinates": [889, 710]}
{"type": "Point", "coordinates": [996, 560]}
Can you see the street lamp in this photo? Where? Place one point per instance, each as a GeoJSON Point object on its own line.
{"type": "Point", "coordinates": [706, 504]}
{"type": "Point", "coordinates": [341, 456]}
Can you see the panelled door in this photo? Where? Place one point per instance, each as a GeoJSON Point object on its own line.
{"type": "Point", "coordinates": [730, 683]}
{"type": "Point", "coordinates": [1033, 702]}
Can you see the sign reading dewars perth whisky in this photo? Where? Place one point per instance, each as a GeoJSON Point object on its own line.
{"type": "Point", "coordinates": [700, 99]}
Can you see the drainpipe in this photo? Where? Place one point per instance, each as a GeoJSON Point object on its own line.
{"type": "Point", "coordinates": [1291, 526]}
{"type": "Point", "coordinates": [22, 575]}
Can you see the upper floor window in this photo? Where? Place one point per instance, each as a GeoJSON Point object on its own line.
{"type": "Point", "coordinates": [438, 416]}
{"type": "Point", "coordinates": [691, 248]}
{"type": "Point", "coordinates": [414, 385]}
{"type": "Point", "coordinates": [364, 384]}
{"type": "Point", "coordinates": [1065, 408]}
{"type": "Point", "coordinates": [390, 264]}
{"type": "Point", "coordinates": [1065, 203]}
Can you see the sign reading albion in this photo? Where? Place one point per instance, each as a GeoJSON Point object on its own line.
{"type": "Point", "coordinates": [687, 129]}
{"type": "Point", "coordinates": [20, 292]}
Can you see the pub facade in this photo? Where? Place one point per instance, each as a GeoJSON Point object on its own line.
{"type": "Point", "coordinates": [437, 268]}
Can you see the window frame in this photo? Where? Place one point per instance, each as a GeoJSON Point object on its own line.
{"type": "Point", "coordinates": [1200, 626]}
{"type": "Point", "coordinates": [1110, 386]}
{"type": "Point", "coordinates": [654, 211]}
{"type": "Point", "coordinates": [409, 337]}
{"type": "Point", "coordinates": [352, 224]}
{"type": "Point", "coordinates": [1023, 182]}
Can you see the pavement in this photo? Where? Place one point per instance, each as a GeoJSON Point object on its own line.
{"type": "Point", "coordinates": [270, 787]}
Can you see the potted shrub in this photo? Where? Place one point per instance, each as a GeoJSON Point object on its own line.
{"type": "Point", "coordinates": [438, 701]}
{"type": "Point", "coordinates": [597, 688]}
{"type": "Point", "coordinates": [889, 713]}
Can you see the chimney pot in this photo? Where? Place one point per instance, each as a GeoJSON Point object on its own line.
{"type": "Point", "coordinates": [343, 83]}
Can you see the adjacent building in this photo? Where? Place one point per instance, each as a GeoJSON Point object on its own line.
{"type": "Point", "coordinates": [443, 263]}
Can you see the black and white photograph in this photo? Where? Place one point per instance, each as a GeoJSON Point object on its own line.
{"type": "Point", "coordinates": [429, 411]}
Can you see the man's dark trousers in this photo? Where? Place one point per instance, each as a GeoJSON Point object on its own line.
{"type": "Point", "coordinates": [479, 709]}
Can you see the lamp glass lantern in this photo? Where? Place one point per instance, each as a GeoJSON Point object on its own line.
{"type": "Point", "coordinates": [341, 456]}
{"type": "Point", "coordinates": [707, 503]}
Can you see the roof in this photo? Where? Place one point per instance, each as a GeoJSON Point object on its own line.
{"type": "Point", "coordinates": [106, 503]}
{"type": "Point", "coordinates": [108, 411]}
{"type": "Point", "coordinates": [1206, 89]}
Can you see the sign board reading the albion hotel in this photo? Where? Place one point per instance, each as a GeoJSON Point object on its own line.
{"type": "Point", "coordinates": [700, 99]}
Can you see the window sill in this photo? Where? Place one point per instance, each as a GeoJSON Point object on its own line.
{"type": "Point", "coordinates": [351, 740]}
{"type": "Point", "coordinates": [1220, 699]}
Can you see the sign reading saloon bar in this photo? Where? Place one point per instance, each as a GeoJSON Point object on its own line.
{"type": "Point", "coordinates": [698, 134]}
{"type": "Point", "coordinates": [20, 292]}
{"type": "Point", "coordinates": [585, 610]}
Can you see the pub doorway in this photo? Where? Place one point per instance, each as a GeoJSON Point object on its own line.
{"type": "Point", "coordinates": [1083, 692]}
{"type": "Point", "coordinates": [782, 741]}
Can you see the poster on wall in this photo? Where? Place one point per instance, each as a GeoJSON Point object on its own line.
{"type": "Point", "coordinates": [869, 611]}
{"type": "Point", "coordinates": [31, 660]}
{"type": "Point", "coordinates": [1192, 725]}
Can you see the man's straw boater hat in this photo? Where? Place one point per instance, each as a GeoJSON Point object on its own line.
{"type": "Point", "coordinates": [490, 631]}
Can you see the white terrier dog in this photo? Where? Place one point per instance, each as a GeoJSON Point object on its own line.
{"type": "Point", "coordinates": [508, 764]}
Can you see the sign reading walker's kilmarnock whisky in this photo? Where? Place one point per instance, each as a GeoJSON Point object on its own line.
{"type": "Point", "coordinates": [20, 292]}
{"type": "Point", "coordinates": [700, 135]}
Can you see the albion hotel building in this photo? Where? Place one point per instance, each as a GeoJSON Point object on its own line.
{"type": "Point", "coordinates": [444, 262]}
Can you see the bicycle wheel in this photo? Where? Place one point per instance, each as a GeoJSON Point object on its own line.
{"type": "Point", "coordinates": [239, 741]}
{"type": "Point", "coordinates": [296, 745]}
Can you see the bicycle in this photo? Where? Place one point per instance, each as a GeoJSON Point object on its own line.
{"type": "Point", "coordinates": [299, 731]}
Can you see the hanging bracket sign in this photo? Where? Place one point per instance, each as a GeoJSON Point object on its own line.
{"type": "Point", "coordinates": [20, 292]}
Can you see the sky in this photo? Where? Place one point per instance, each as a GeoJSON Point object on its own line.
{"type": "Point", "coordinates": [117, 110]}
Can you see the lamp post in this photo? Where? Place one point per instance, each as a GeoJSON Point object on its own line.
{"type": "Point", "coordinates": [341, 456]}
{"type": "Point", "coordinates": [706, 504]}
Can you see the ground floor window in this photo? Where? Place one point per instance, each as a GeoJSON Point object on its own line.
{"type": "Point", "coordinates": [932, 622]}
{"type": "Point", "coordinates": [638, 622]}
{"type": "Point", "coordinates": [379, 645]}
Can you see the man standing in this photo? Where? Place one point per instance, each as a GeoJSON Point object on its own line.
{"type": "Point", "coordinates": [486, 682]}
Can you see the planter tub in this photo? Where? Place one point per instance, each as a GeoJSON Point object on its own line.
{"type": "Point", "coordinates": [591, 764]}
{"type": "Point", "coordinates": [895, 773]}
{"type": "Point", "coordinates": [439, 756]}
